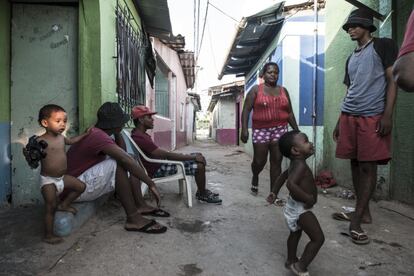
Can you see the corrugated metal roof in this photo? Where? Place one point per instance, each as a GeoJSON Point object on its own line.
{"type": "Point", "coordinates": [155, 16]}
{"type": "Point", "coordinates": [252, 38]}
{"type": "Point", "coordinates": [225, 90]}
{"type": "Point", "coordinates": [187, 63]}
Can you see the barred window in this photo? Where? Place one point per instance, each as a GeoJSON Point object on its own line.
{"type": "Point", "coordinates": [131, 53]}
{"type": "Point", "coordinates": [162, 97]}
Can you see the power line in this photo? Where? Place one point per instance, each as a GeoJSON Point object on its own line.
{"type": "Point", "coordinates": [198, 25]}
{"type": "Point", "coordinates": [204, 27]}
{"type": "Point", "coordinates": [211, 48]}
{"type": "Point", "coordinates": [229, 16]}
{"type": "Point", "coordinates": [194, 33]}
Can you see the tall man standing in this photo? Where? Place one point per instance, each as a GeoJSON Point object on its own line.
{"type": "Point", "coordinates": [364, 126]}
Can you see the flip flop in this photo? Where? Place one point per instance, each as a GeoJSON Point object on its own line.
{"type": "Point", "coordinates": [359, 237]}
{"type": "Point", "coordinates": [147, 228]}
{"type": "Point", "coordinates": [356, 237]}
{"type": "Point", "coordinates": [157, 213]}
{"type": "Point", "coordinates": [341, 216]}
{"type": "Point", "coordinates": [280, 202]}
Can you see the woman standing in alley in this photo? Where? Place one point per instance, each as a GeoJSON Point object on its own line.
{"type": "Point", "coordinates": [272, 112]}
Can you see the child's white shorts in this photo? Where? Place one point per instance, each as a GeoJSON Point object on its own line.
{"type": "Point", "coordinates": [292, 210]}
{"type": "Point", "coordinates": [99, 180]}
{"type": "Point", "coordinates": [57, 181]}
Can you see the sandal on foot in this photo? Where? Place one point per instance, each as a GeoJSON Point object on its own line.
{"type": "Point", "coordinates": [289, 263]}
{"type": "Point", "coordinates": [296, 271]}
{"type": "Point", "coordinates": [149, 228]}
{"type": "Point", "coordinates": [359, 237]}
{"type": "Point", "coordinates": [156, 213]}
{"type": "Point", "coordinates": [254, 189]}
{"type": "Point", "coordinates": [280, 202]}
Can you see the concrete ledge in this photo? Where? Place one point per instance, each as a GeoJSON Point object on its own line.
{"type": "Point", "coordinates": [65, 222]}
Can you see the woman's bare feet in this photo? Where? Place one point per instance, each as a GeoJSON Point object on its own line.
{"type": "Point", "coordinates": [52, 239]}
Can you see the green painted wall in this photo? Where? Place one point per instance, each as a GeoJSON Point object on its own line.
{"type": "Point", "coordinates": [97, 52]}
{"type": "Point", "coordinates": [89, 62]}
{"type": "Point", "coordinates": [337, 48]}
{"type": "Point", "coordinates": [108, 50]}
{"type": "Point", "coordinates": [4, 61]}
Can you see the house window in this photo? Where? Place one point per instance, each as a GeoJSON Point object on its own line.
{"type": "Point", "coordinates": [132, 44]}
{"type": "Point", "coordinates": [162, 97]}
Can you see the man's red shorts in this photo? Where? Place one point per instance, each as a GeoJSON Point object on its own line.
{"type": "Point", "coordinates": [359, 139]}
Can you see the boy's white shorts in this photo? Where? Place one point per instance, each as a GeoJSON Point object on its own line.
{"type": "Point", "coordinates": [99, 180]}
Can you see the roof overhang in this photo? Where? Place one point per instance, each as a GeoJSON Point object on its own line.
{"type": "Point", "coordinates": [155, 16]}
{"type": "Point", "coordinates": [253, 36]}
{"type": "Point", "coordinates": [195, 99]}
{"type": "Point", "coordinates": [223, 91]}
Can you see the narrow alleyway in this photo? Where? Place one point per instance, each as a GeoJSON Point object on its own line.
{"type": "Point", "coordinates": [244, 236]}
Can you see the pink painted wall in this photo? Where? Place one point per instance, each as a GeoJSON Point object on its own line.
{"type": "Point", "coordinates": [163, 126]}
{"type": "Point", "coordinates": [181, 138]}
{"type": "Point", "coordinates": [226, 136]}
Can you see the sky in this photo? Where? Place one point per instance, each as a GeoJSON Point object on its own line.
{"type": "Point", "coordinates": [218, 36]}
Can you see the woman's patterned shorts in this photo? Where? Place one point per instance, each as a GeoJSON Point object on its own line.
{"type": "Point", "coordinates": [267, 135]}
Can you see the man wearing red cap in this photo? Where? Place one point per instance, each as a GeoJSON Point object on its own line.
{"type": "Point", "coordinates": [194, 163]}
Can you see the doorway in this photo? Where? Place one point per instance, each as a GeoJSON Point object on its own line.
{"type": "Point", "coordinates": [44, 42]}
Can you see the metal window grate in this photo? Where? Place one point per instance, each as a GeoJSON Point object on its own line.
{"type": "Point", "coordinates": [131, 51]}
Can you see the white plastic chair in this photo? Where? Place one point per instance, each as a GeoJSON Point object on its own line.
{"type": "Point", "coordinates": [183, 180]}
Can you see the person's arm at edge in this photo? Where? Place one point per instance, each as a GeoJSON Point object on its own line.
{"type": "Point", "coordinates": [247, 108]}
{"type": "Point", "coordinates": [403, 72]}
{"type": "Point", "coordinates": [291, 120]}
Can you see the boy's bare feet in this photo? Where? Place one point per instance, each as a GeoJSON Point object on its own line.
{"type": "Point", "coordinates": [295, 268]}
{"type": "Point", "coordinates": [69, 208]}
{"type": "Point", "coordinates": [52, 239]}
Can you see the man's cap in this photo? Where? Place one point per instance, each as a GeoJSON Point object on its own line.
{"type": "Point", "coordinates": [110, 115]}
{"type": "Point", "coordinates": [361, 17]}
{"type": "Point", "coordinates": [140, 111]}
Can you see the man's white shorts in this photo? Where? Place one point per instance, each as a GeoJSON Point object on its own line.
{"type": "Point", "coordinates": [99, 180]}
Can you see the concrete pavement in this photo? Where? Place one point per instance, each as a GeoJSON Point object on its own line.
{"type": "Point", "coordinates": [243, 236]}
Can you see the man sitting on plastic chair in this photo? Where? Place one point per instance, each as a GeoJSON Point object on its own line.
{"type": "Point", "coordinates": [194, 163]}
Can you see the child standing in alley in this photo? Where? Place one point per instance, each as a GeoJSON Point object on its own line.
{"type": "Point", "coordinates": [302, 196]}
{"type": "Point", "coordinates": [53, 178]}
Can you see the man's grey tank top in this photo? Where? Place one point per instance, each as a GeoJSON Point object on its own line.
{"type": "Point", "coordinates": [367, 86]}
